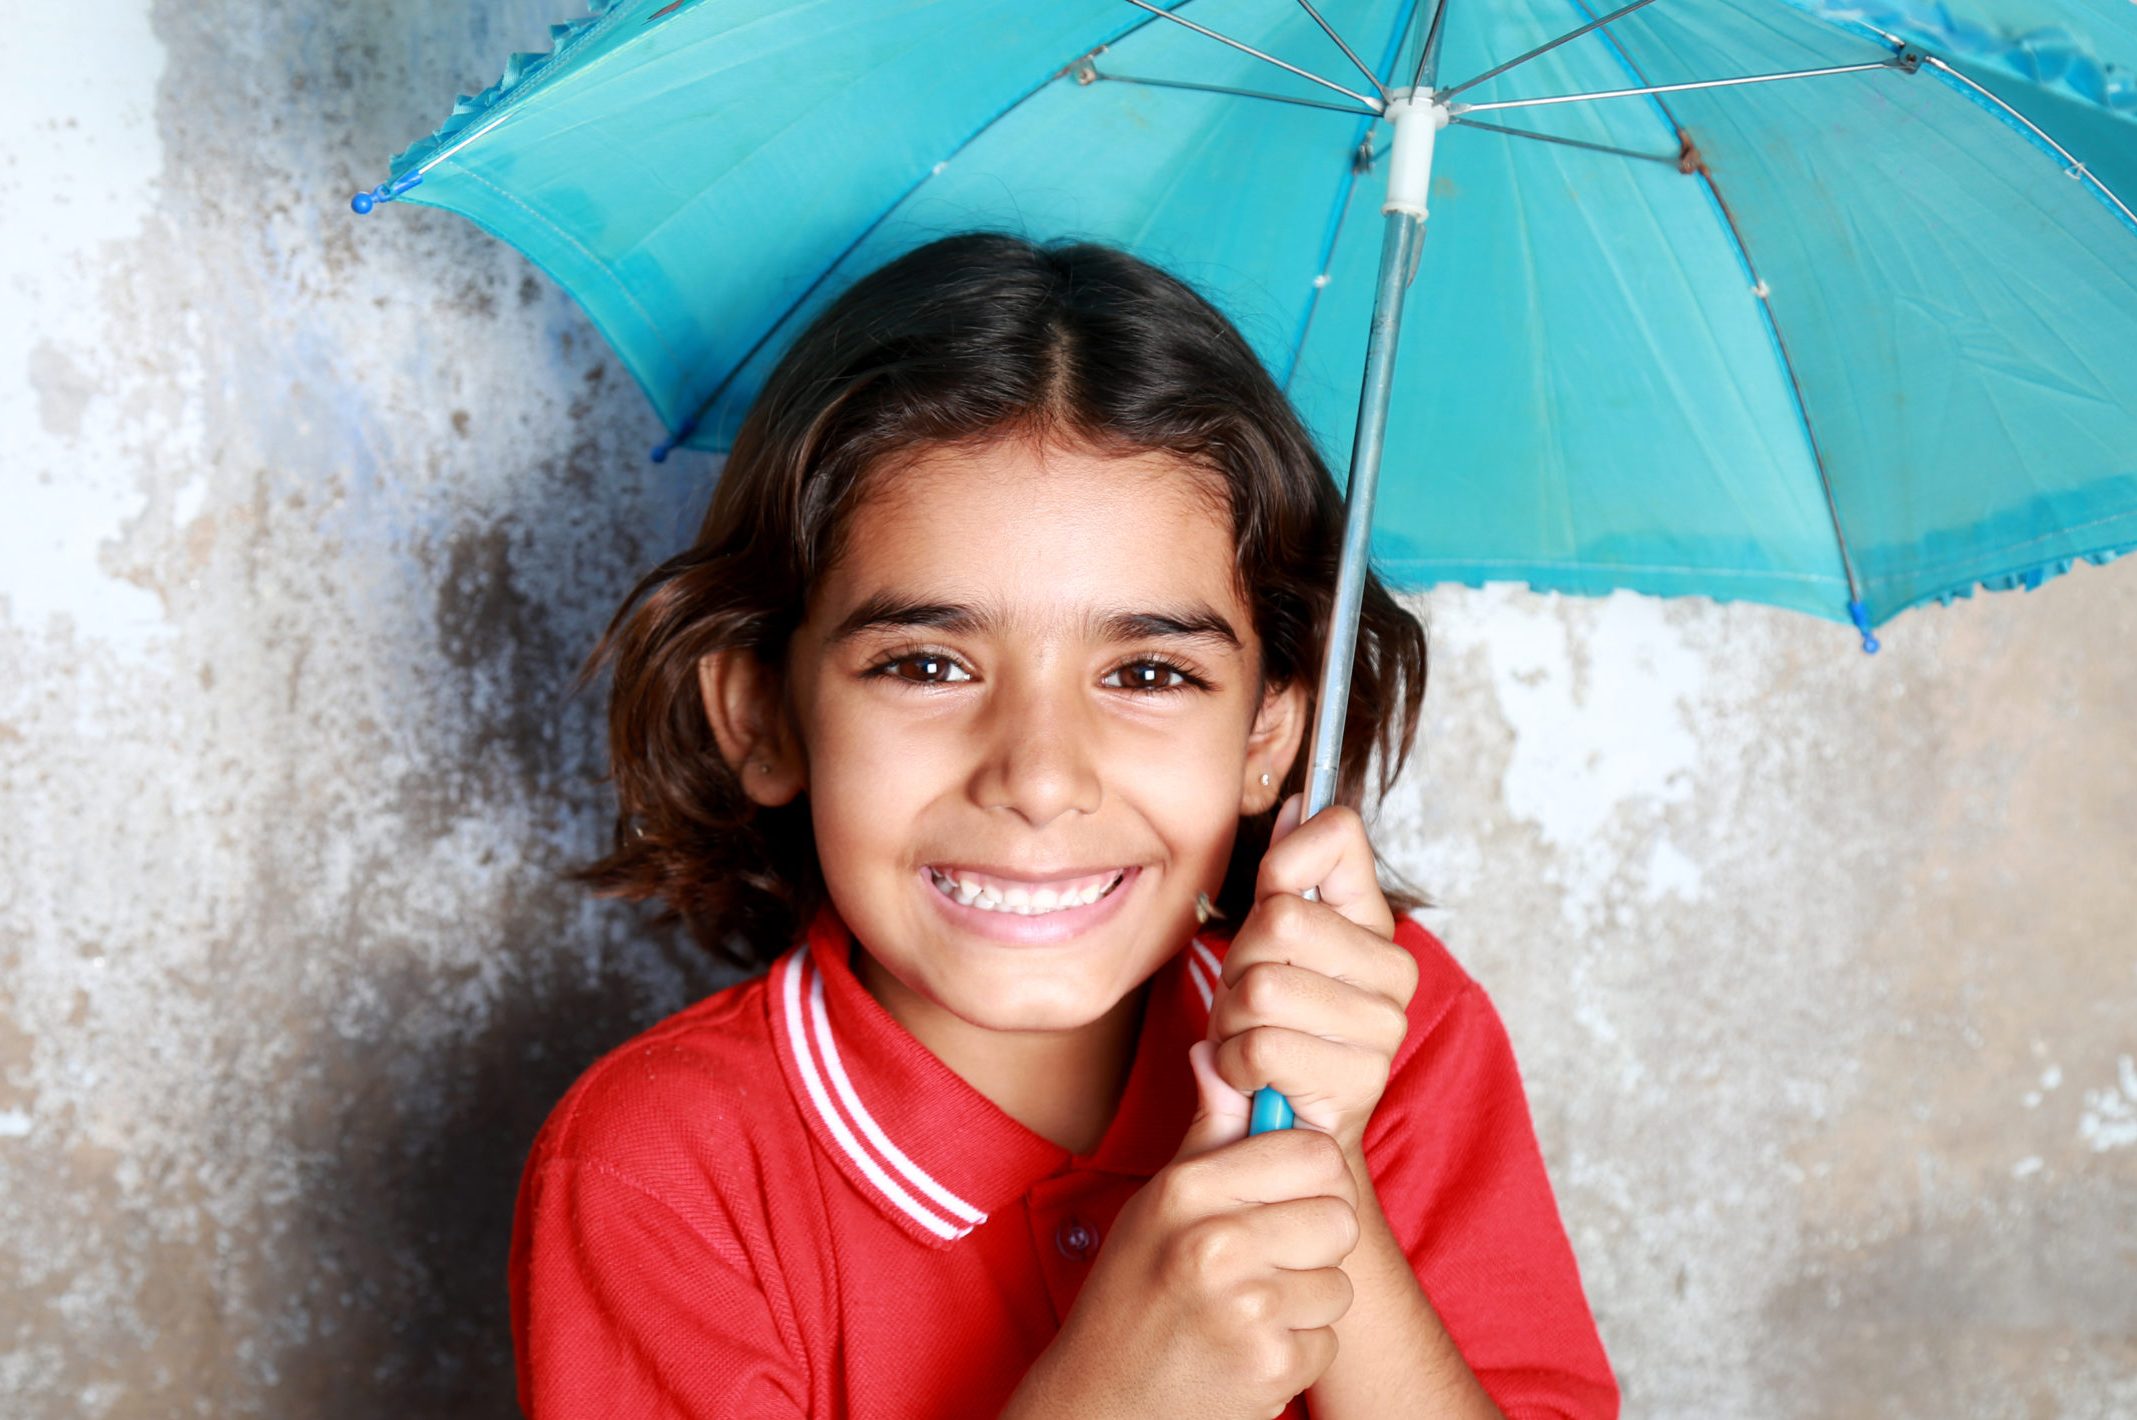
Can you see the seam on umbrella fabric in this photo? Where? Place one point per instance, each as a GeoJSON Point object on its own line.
{"type": "Point", "coordinates": [1851, 576]}
{"type": "Point", "coordinates": [486, 116]}
{"type": "Point", "coordinates": [700, 407]}
{"type": "Point", "coordinates": [603, 267]}
{"type": "Point", "coordinates": [2125, 515]}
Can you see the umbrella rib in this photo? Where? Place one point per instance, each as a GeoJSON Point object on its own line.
{"type": "Point", "coordinates": [1098, 74]}
{"type": "Point", "coordinates": [2074, 168]}
{"type": "Point", "coordinates": [1348, 53]}
{"type": "Point", "coordinates": [1428, 52]}
{"type": "Point", "coordinates": [1372, 103]}
{"type": "Point", "coordinates": [1671, 159]}
{"type": "Point", "coordinates": [1341, 207]}
{"type": "Point", "coordinates": [1795, 387]}
{"type": "Point", "coordinates": [1984, 97]}
{"type": "Point", "coordinates": [1545, 48]}
{"type": "Point", "coordinates": [1857, 612]}
{"type": "Point", "coordinates": [697, 415]}
{"type": "Point", "coordinates": [1673, 88]}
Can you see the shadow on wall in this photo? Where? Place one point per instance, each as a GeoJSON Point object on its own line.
{"type": "Point", "coordinates": [420, 1122]}
{"type": "Point", "coordinates": [420, 1209]}
{"type": "Point", "coordinates": [419, 1128]}
{"type": "Point", "coordinates": [393, 1287]}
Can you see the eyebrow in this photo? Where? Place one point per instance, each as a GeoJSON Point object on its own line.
{"type": "Point", "coordinates": [1195, 621]}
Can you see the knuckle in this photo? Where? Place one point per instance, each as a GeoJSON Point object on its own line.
{"type": "Point", "coordinates": [1335, 1225]}
{"type": "Point", "coordinates": [1204, 1250]}
{"type": "Point", "coordinates": [1405, 972]}
{"type": "Point", "coordinates": [1178, 1188]}
{"type": "Point", "coordinates": [1261, 987]}
{"type": "Point", "coordinates": [1288, 913]}
{"type": "Point", "coordinates": [1347, 1227]}
{"type": "Point", "coordinates": [1326, 1156]}
{"type": "Point", "coordinates": [1345, 1291]}
{"type": "Point", "coordinates": [1395, 1024]}
{"type": "Point", "coordinates": [1253, 1304]}
{"type": "Point", "coordinates": [1268, 879]}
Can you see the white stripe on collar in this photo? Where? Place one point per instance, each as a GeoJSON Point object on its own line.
{"type": "Point", "coordinates": [914, 1174]}
{"type": "Point", "coordinates": [798, 1037]}
{"type": "Point", "coordinates": [1201, 955]}
{"type": "Point", "coordinates": [1203, 968]}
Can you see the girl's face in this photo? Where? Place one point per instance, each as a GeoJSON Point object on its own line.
{"type": "Point", "coordinates": [1030, 681]}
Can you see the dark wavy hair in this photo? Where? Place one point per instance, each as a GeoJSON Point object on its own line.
{"type": "Point", "coordinates": [971, 339]}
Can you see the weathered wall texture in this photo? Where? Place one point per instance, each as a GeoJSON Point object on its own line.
{"type": "Point", "coordinates": [1820, 967]}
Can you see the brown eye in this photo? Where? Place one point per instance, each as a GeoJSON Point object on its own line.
{"type": "Point", "coordinates": [1152, 675]}
{"type": "Point", "coordinates": [928, 669]}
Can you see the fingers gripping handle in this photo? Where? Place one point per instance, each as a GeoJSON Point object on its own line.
{"type": "Point", "coordinates": [1271, 1111]}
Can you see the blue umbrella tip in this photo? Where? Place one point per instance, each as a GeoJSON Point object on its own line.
{"type": "Point", "coordinates": [1859, 613]}
{"type": "Point", "coordinates": [677, 439]}
{"type": "Point", "coordinates": [363, 202]}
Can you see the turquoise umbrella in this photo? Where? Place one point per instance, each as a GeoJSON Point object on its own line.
{"type": "Point", "coordinates": [1771, 300]}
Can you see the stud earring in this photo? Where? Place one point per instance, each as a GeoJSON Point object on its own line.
{"type": "Point", "coordinates": [1264, 781]}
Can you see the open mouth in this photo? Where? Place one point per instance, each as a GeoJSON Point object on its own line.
{"type": "Point", "coordinates": [1023, 899]}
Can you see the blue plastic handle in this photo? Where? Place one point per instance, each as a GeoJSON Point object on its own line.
{"type": "Point", "coordinates": [1271, 1111]}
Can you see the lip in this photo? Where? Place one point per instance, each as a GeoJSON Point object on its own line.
{"type": "Point", "coordinates": [1054, 927]}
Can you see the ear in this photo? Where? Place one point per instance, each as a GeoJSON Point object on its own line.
{"type": "Point", "coordinates": [1272, 745]}
{"type": "Point", "coordinates": [748, 715]}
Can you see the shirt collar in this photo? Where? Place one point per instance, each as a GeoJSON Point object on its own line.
{"type": "Point", "coordinates": [929, 1150]}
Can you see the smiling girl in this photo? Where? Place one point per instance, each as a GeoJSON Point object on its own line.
{"type": "Point", "coordinates": [992, 658]}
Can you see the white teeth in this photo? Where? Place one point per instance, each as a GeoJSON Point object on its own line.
{"type": "Point", "coordinates": [1023, 901]}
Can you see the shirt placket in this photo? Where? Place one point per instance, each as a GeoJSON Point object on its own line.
{"type": "Point", "coordinates": [1070, 1214]}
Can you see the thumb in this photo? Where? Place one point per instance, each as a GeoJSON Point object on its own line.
{"type": "Point", "coordinates": [1220, 1111]}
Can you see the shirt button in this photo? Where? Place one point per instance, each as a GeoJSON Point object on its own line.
{"type": "Point", "coordinates": [1076, 1240]}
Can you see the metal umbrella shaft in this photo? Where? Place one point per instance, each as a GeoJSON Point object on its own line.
{"type": "Point", "coordinates": [1398, 247]}
{"type": "Point", "coordinates": [1417, 120]}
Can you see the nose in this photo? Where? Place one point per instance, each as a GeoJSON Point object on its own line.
{"type": "Point", "coordinates": [1038, 748]}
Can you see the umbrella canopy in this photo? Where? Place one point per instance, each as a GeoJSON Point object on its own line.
{"type": "Point", "coordinates": [1869, 336]}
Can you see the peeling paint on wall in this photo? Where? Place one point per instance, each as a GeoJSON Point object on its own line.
{"type": "Point", "coordinates": [2110, 1117]}
{"type": "Point", "coordinates": [78, 88]}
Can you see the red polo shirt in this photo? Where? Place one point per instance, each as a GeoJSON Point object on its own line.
{"type": "Point", "coordinates": [777, 1202]}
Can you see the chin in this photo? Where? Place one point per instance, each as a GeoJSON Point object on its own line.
{"type": "Point", "coordinates": [1033, 1012]}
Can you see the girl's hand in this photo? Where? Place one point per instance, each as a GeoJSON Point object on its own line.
{"type": "Point", "coordinates": [1315, 995]}
{"type": "Point", "coordinates": [1218, 1291]}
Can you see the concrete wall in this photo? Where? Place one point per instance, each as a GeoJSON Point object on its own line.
{"type": "Point", "coordinates": [1820, 967]}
